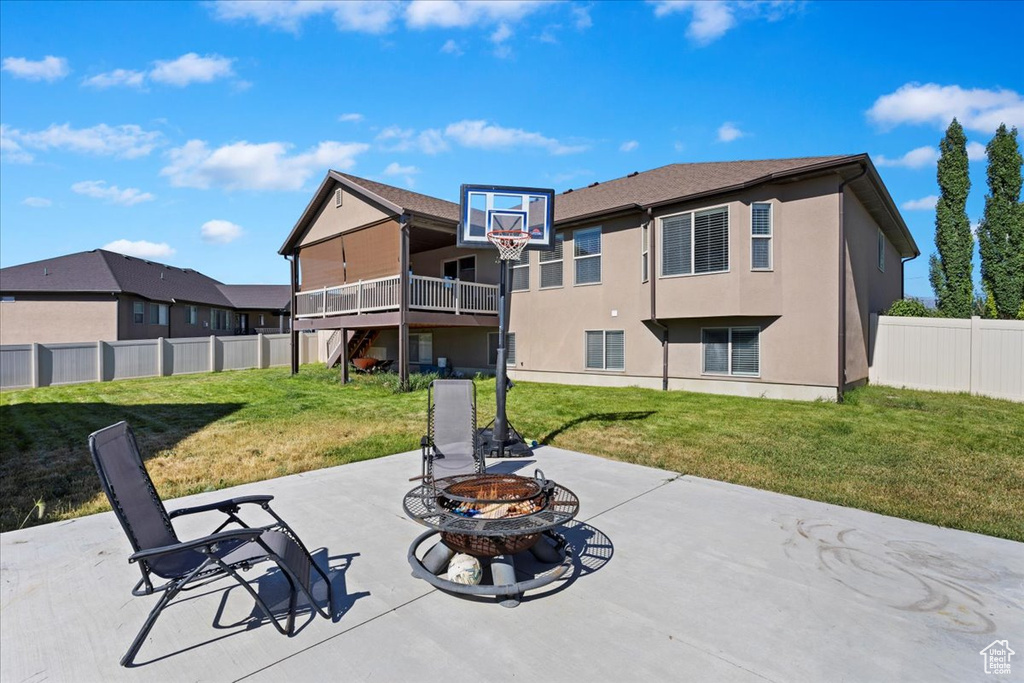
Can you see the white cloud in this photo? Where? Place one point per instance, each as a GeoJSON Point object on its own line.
{"type": "Point", "coordinates": [98, 189]}
{"type": "Point", "coordinates": [395, 168]}
{"type": "Point", "coordinates": [976, 151]}
{"type": "Point", "coordinates": [125, 141]}
{"type": "Point", "coordinates": [396, 139]}
{"type": "Point", "coordinates": [118, 77]}
{"type": "Point", "coordinates": [49, 68]}
{"type": "Point", "coordinates": [37, 202]}
{"type": "Point", "coordinates": [368, 16]}
{"type": "Point", "coordinates": [915, 158]}
{"type": "Point", "coordinates": [247, 166]}
{"type": "Point", "coordinates": [10, 150]}
{"type": "Point", "coordinates": [350, 118]}
{"type": "Point", "coordinates": [220, 232]}
{"type": "Point", "coordinates": [482, 135]}
{"type": "Point", "coordinates": [709, 20]}
{"type": "Point", "coordinates": [628, 146]}
{"type": "Point", "coordinates": [450, 47]}
{"type": "Point", "coordinates": [581, 17]}
{"type": "Point", "coordinates": [501, 34]}
{"type": "Point", "coordinates": [141, 248]}
{"type": "Point", "coordinates": [977, 109]}
{"type": "Point", "coordinates": [922, 204]}
{"type": "Point", "coordinates": [462, 14]}
{"type": "Point", "coordinates": [191, 68]}
{"type": "Point", "coordinates": [728, 132]}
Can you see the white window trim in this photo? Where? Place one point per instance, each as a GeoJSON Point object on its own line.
{"type": "Point", "coordinates": [645, 251]}
{"type": "Point", "coordinates": [433, 356]}
{"type": "Point", "coordinates": [457, 259]}
{"type": "Point", "coordinates": [770, 237]}
{"type": "Point", "coordinates": [135, 306]}
{"type": "Point", "coordinates": [730, 374]}
{"type": "Point", "coordinates": [728, 242]}
{"type": "Point", "coordinates": [604, 352]}
{"type": "Point", "coordinates": [495, 364]}
{"type": "Point", "coordinates": [512, 273]}
{"type": "Point", "coordinates": [541, 264]}
{"type": "Point", "coordinates": [188, 315]}
{"type": "Point", "coordinates": [576, 258]}
{"type": "Point", "coordinates": [881, 250]}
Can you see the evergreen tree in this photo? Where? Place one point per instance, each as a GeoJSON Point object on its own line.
{"type": "Point", "coordinates": [1001, 234]}
{"type": "Point", "coordinates": [950, 271]}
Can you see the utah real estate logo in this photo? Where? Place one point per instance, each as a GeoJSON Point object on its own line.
{"type": "Point", "coordinates": [997, 657]}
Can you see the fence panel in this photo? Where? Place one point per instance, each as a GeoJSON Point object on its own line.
{"type": "Point", "coordinates": [127, 359]}
{"type": "Point", "coordinates": [16, 366]}
{"type": "Point", "coordinates": [72, 363]}
{"type": "Point", "coordinates": [936, 354]}
{"type": "Point", "coordinates": [188, 355]}
{"type": "Point", "coordinates": [280, 346]}
{"type": "Point", "coordinates": [239, 353]}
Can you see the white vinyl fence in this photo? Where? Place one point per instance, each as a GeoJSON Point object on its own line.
{"type": "Point", "coordinates": [939, 354]}
{"type": "Point", "coordinates": [40, 365]}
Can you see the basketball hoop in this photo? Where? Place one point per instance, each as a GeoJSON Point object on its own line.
{"type": "Point", "coordinates": [510, 243]}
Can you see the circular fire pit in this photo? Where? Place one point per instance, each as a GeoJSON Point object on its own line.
{"type": "Point", "coordinates": [493, 516]}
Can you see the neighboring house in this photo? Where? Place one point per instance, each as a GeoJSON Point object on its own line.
{"type": "Point", "coordinates": [100, 295]}
{"type": "Point", "coordinates": [747, 277]}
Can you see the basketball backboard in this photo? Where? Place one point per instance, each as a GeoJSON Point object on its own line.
{"type": "Point", "coordinates": [483, 208]}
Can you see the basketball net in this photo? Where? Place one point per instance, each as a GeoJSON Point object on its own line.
{"type": "Point", "coordinates": [510, 243]}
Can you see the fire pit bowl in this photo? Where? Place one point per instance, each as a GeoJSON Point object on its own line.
{"type": "Point", "coordinates": [493, 517]}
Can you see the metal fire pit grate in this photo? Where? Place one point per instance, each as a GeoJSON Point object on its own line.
{"type": "Point", "coordinates": [491, 514]}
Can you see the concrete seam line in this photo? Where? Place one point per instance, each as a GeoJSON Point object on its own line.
{"type": "Point", "coordinates": [666, 482]}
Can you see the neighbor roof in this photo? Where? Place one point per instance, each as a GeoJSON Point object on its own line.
{"type": "Point", "coordinates": [106, 271]}
{"type": "Point", "coordinates": [636, 191]}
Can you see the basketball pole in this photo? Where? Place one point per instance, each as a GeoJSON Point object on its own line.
{"type": "Point", "coordinates": [500, 372]}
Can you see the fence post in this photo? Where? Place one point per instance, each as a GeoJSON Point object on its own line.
{"type": "Point", "coordinates": [975, 378]}
{"type": "Point", "coordinates": [160, 357]}
{"type": "Point", "coordinates": [100, 374]}
{"type": "Point", "coordinates": [260, 355]}
{"type": "Point", "coordinates": [35, 365]}
{"type": "Point", "coordinates": [213, 353]}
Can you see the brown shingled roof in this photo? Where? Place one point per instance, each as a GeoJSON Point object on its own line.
{"type": "Point", "coordinates": [409, 200]}
{"type": "Point", "coordinates": [106, 271]}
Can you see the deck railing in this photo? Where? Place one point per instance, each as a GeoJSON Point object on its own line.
{"type": "Point", "coordinates": [382, 294]}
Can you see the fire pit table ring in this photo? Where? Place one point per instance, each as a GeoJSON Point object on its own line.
{"type": "Point", "coordinates": [493, 516]}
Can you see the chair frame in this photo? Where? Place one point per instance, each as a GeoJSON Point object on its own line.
{"type": "Point", "coordinates": [427, 441]}
{"type": "Point", "coordinates": [213, 567]}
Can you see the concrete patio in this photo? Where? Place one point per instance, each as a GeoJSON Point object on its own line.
{"type": "Point", "coordinates": [679, 578]}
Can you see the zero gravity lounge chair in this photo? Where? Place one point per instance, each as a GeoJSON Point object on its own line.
{"type": "Point", "coordinates": [450, 446]}
{"type": "Point", "coordinates": [181, 565]}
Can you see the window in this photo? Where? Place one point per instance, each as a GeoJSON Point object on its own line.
{"type": "Point", "coordinates": [193, 315]}
{"type": "Point", "coordinates": [263, 321]}
{"type": "Point", "coordinates": [158, 314]}
{"type": "Point", "coordinates": [881, 250]}
{"type": "Point", "coordinates": [732, 351]}
{"type": "Point", "coordinates": [645, 247]}
{"type": "Point", "coordinates": [510, 348]}
{"type": "Point", "coordinates": [139, 313]}
{"type": "Point", "coordinates": [521, 273]}
{"type": "Point", "coordinates": [605, 350]}
{"type": "Point", "coordinates": [219, 319]}
{"type": "Point", "coordinates": [460, 269]}
{"type": "Point", "coordinates": [695, 243]}
{"type": "Point", "coordinates": [421, 348]}
{"type": "Point", "coordinates": [587, 255]}
{"type": "Point", "coordinates": [6, 299]}
{"type": "Point", "coordinates": [551, 265]}
{"type": "Point", "coordinates": [760, 236]}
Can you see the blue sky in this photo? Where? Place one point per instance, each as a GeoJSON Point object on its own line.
{"type": "Point", "coordinates": [195, 133]}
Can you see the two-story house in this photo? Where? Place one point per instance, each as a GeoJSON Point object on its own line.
{"type": "Point", "coordinates": [748, 277]}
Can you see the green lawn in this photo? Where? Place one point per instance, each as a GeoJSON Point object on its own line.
{"type": "Point", "coordinates": [952, 460]}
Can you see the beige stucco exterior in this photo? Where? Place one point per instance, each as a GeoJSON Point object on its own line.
{"type": "Point", "coordinates": [794, 304]}
{"type": "Point", "coordinates": [45, 319]}
{"type": "Point", "coordinates": [331, 220]}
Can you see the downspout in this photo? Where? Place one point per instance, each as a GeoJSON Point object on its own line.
{"type": "Point", "coordinates": [651, 278]}
{"type": "Point", "coordinates": [903, 274]}
{"type": "Point", "coordinates": [294, 335]}
{"type": "Point", "coordinates": [841, 364]}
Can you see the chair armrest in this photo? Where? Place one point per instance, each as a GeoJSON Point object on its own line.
{"type": "Point", "coordinates": [213, 539]}
{"type": "Point", "coordinates": [230, 505]}
{"type": "Point", "coordinates": [425, 442]}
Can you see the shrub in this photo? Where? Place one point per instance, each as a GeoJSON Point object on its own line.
{"type": "Point", "coordinates": [393, 383]}
{"type": "Point", "coordinates": [910, 308]}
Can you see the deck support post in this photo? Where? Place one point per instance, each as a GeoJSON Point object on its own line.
{"type": "Point", "coordinates": [344, 356]}
{"type": "Point", "coordinates": [403, 303]}
{"type": "Point", "coordinates": [294, 333]}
